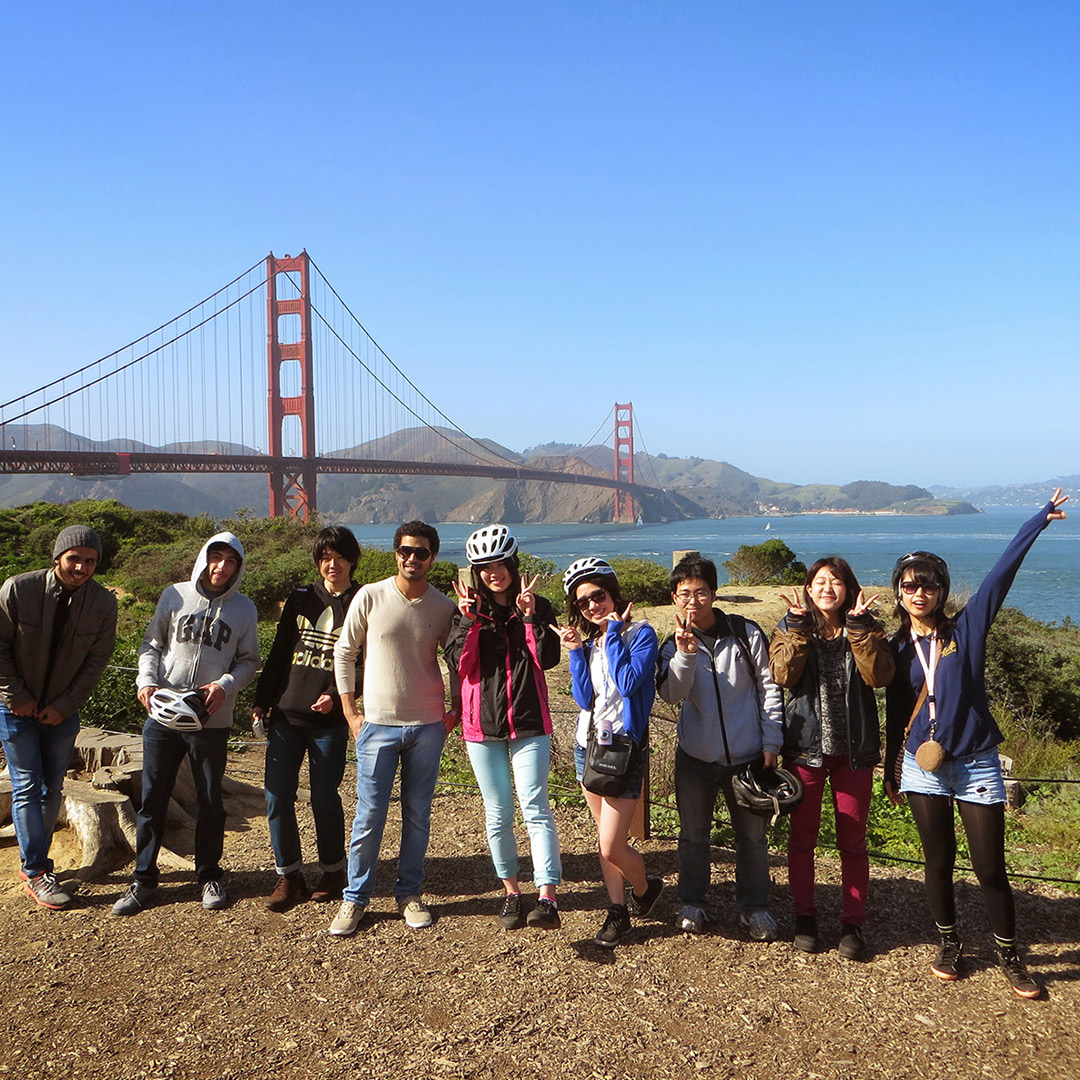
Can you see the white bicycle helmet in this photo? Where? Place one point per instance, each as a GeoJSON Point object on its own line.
{"type": "Point", "coordinates": [583, 568]}
{"type": "Point", "coordinates": [493, 543]}
{"type": "Point", "coordinates": [179, 710]}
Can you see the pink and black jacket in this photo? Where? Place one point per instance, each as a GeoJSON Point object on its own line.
{"type": "Point", "coordinates": [500, 659]}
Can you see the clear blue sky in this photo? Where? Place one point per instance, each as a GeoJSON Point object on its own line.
{"type": "Point", "coordinates": [822, 241]}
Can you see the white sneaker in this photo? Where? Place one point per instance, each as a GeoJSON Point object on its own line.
{"type": "Point", "coordinates": [213, 896]}
{"type": "Point", "coordinates": [760, 925]}
{"type": "Point", "coordinates": [690, 920]}
{"type": "Point", "coordinates": [348, 919]}
{"type": "Point", "coordinates": [416, 913]}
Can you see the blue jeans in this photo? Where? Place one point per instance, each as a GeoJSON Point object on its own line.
{"type": "Point", "coordinates": [38, 756]}
{"type": "Point", "coordinates": [975, 778]}
{"type": "Point", "coordinates": [530, 759]}
{"type": "Point", "coordinates": [285, 749]}
{"type": "Point", "coordinates": [164, 751]}
{"type": "Point", "coordinates": [696, 786]}
{"type": "Point", "coordinates": [379, 750]}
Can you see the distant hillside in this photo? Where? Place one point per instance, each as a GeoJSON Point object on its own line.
{"type": "Point", "coordinates": [1033, 494]}
{"type": "Point", "coordinates": [693, 487]}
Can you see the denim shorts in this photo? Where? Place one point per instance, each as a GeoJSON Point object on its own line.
{"type": "Point", "coordinates": [634, 778]}
{"type": "Point", "coordinates": [974, 779]}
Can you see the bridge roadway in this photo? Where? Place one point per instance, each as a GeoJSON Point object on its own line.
{"type": "Point", "coordinates": [94, 463]}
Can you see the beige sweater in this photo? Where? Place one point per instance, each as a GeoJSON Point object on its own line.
{"type": "Point", "coordinates": [399, 639]}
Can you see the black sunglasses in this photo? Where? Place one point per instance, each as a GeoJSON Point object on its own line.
{"type": "Point", "coordinates": [582, 603]}
{"type": "Point", "coordinates": [423, 554]}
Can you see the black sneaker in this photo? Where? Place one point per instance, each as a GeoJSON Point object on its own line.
{"type": "Point", "coordinates": [512, 916]}
{"type": "Point", "coordinates": [615, 925]}
{"type": "Point", "coordinates": [946, 965]}
{"type": "Point", "coordinates": [806, 935]}
{"type": "Point", "coordinates": [1019, 979]}
{"type": "Point", "coordinates": [852, 946]}
{"type": "Point", "coordinates": [643, 905]}
{"type": "Point", "coordinates": [545, 916]}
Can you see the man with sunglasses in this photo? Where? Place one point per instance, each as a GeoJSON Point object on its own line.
{"type": "Point", "coordinates": [398, 624]}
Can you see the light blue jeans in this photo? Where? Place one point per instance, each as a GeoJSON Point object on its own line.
{"type": "Point", "coordinates": [379, 750]}
{"type": "Point", "coordinates": [530, 759]}
{"type": "Point", "coordinates": [38, 756]}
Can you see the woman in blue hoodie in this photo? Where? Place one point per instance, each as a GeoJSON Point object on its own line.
{"type": "Point", "coordinates": [939, 718]}
{"type": "Point", "coordinates": [611, 670]}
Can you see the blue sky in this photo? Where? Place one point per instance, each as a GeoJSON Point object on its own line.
{"type": "Point", "coordinates": [822, 241]}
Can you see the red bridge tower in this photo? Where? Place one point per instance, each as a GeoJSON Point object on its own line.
{"type": "Point", "coordinates": [624, 460]}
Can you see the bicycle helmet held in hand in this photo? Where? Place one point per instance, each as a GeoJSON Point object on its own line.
{"type": "Point", "coordinates": [767, 792]}
{"type": "Point", "coordinates": [493, 543]}
{"type": "Point", "coordinates": [179, 710]}
{"type": "Point", "coordinates": [580, 569]}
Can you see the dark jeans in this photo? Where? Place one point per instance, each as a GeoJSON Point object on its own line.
{"type": "Point", "coordinates": [697, 783]}
{"type": "Point", "coordinates": [325, 749]}
{"type": "Point", "coordinates": [163, 753]}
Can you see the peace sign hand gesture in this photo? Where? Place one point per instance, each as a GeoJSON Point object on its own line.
{"type": "Point", "coordinates": [795, 604]}
{"type": "Point", "coordinates": [863, 606]}
{"type": "Point", "coordinates": [685, 639]}
{"type": "Point", "coordinates": [569, 636]}
{"type": "Point", "coordinates": [615, 617]}
{"type": "Point", "coordinates": [1057, 499]}
{"type": "Point", "coordinates": [467, 600]}
{"type": "Point", "coordinates": [526, 600]}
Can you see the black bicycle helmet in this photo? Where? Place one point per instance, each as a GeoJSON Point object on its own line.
{"type": "Point", "coordinates": [767, 792]}
{"type": "Point", "coordinates": [927, 568]}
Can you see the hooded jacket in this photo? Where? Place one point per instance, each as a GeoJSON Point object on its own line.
{"type": "Point", "coordinates": [198, 637]}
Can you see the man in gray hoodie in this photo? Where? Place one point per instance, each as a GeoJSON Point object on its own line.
{"type": "Point", "coordinates": [203, 638]}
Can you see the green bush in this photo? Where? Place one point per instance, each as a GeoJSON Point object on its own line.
{"type": "Point", "coordinates": [642, 581]}
{"type": "Point", "coordinates": [771, 563]}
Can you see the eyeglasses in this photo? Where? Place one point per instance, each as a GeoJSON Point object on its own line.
{"type": "Point", "coordinates": [701, 595]}
{"type": "Point", "coordinates": [598, 597]}
{"type": "Point", "coordinates": [910, 588]}
{"type": "Point", "coordinates": [423, 554]}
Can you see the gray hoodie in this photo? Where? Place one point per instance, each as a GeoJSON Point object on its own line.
{"type": "Point", "coordinates": [196, 637]}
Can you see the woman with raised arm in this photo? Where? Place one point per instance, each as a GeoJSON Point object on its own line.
{"type": "Point", "coordinates": [828, 653]}
{"type": "Point", "coordinates": [501, 641]}
{"type": "Point", "coordinates": [939, 720]}
{"type": "Point", "coordinates": [612, 660]}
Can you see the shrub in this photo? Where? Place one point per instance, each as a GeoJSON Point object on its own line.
{"type": "Point", "coordinates": [642, 581]}
{"type": "Point", "coordinates": [771, 563]}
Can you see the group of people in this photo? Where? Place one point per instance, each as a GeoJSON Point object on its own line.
{"type": "Point", "coordinates": [745, 704]}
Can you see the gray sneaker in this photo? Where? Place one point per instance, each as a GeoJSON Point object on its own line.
{"type": "Point", "coordinates": [760, 925]}
{"type": "Point", "coordinates": [213, 896]}
{"type": "Point", "coordinates": [691, 919]}
{"type": "Point", "coordinates": [348, 919]}
{"type": "Point", "coordinates": [137, 897]}
{"type": "Point", "coordinates": [45, 890]}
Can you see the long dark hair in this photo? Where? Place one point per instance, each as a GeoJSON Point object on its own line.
{"type": "Point", "coordinates": [842, 569]}
{"type": "Point", "coordinates": [486, 595]}
{"type": "Point", "coordinates": [926, 569]}
{"type": "Point", "coordinates": [610, 584]}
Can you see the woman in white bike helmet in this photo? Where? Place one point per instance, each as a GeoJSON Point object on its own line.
{"type": "Point", "coordinates": [502, 639]}
{"type": "Point", "coordinates": [612, 670]}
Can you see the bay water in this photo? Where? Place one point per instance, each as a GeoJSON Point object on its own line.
{"type": "Point", "coordinates": [1047, 586]}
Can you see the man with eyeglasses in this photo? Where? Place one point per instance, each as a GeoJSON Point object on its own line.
{"type": "Point", "coordinates": [398, 624]}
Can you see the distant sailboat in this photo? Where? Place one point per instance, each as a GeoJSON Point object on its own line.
{"type": "Point", "coordinates": [640, 521]}
{"type": "Point", "coordinates": [768, 525]}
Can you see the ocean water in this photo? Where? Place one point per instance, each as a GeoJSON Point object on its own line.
{"type": "Point", "coordinates": [1047, 586]}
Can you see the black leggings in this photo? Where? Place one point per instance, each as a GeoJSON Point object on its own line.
{"type": "Point", "coordinates": [985, 829]}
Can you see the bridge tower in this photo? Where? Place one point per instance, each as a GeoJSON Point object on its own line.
{"type": "Point", "coordinates": [624, 461]}
{"type": "Point", "coordinates": [292, 487]}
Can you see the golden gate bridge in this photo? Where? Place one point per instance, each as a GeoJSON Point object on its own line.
{"type": "Point", "coordinates": [187, 398]}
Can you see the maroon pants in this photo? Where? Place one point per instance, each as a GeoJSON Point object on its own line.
{"type": "Point", "coordinates": [851, 790]}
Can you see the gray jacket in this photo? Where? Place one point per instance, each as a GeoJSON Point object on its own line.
{"type": "Point", "coordinates": [752, 705]}
{"type": "Point", "coordinates": [28, 605]}
{"type": "Point", "coordinates": [196, 638]}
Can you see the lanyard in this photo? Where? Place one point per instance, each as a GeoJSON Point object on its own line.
{"type": "Point", "coordinates": [929, 670]}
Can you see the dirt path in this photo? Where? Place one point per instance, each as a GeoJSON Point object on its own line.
{"type": "Point", "coordinates": [180, 993]}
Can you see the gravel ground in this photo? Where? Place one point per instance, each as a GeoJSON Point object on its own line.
{"type": "Point", "coordinates": [177, 992]}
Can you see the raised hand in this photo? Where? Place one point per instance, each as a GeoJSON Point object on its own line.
{"type": "Point", "coordinates": [526, 600]}
{"type": "Point", "coordinates": [1057, 499]}
{"type": "Point", "coordinates": [569, 637]}
{"type": "Point", "coordinates": [467, 604]}
{"type": "Point", "coordinates": [862, 606]}
{"type": "Point", "coordinates": [795, 604]}
{"type": "Point", "coordinates": [685, 639]}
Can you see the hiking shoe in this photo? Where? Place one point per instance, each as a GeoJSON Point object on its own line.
{"type": "Point", "coordinates": [137, 897]}
{"type": "Point", "coordinates": [213, 896]}
{"type": "Point", "coordinates": [348, 919]}
{"type": "Point", "coordinates": [852, 946]}
{"type": "Point", "coordinates": [806, 935]}
{"type": "Point", "coordinates": [512, 916]}
{"type": "Point", "coordinates": [946, 965]}
{"type": "Point", "coordinates": [1017, 974]}
{"type": "Point", "coordinates": [290, 890]}
{"type": "Point", "coordinates": [45, 890]}
{"type": "Point", "coordinates": [760, 925]}
{"type": "Point", "coordinates": [615, 925]}
{"type": "Point", "coordinates": [416, 913]}
{"type": "Point", "coordinates": [691, 919]}
{"type": "Point", "coordinates": [331, 886]}
{"type": "Point", "coordinates": [545, 916]}
{"type": "Point", "coordinates": [643, 905]}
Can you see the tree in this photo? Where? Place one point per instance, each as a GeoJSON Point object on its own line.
{"type": "Point", "coordinates": [771, 563]}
